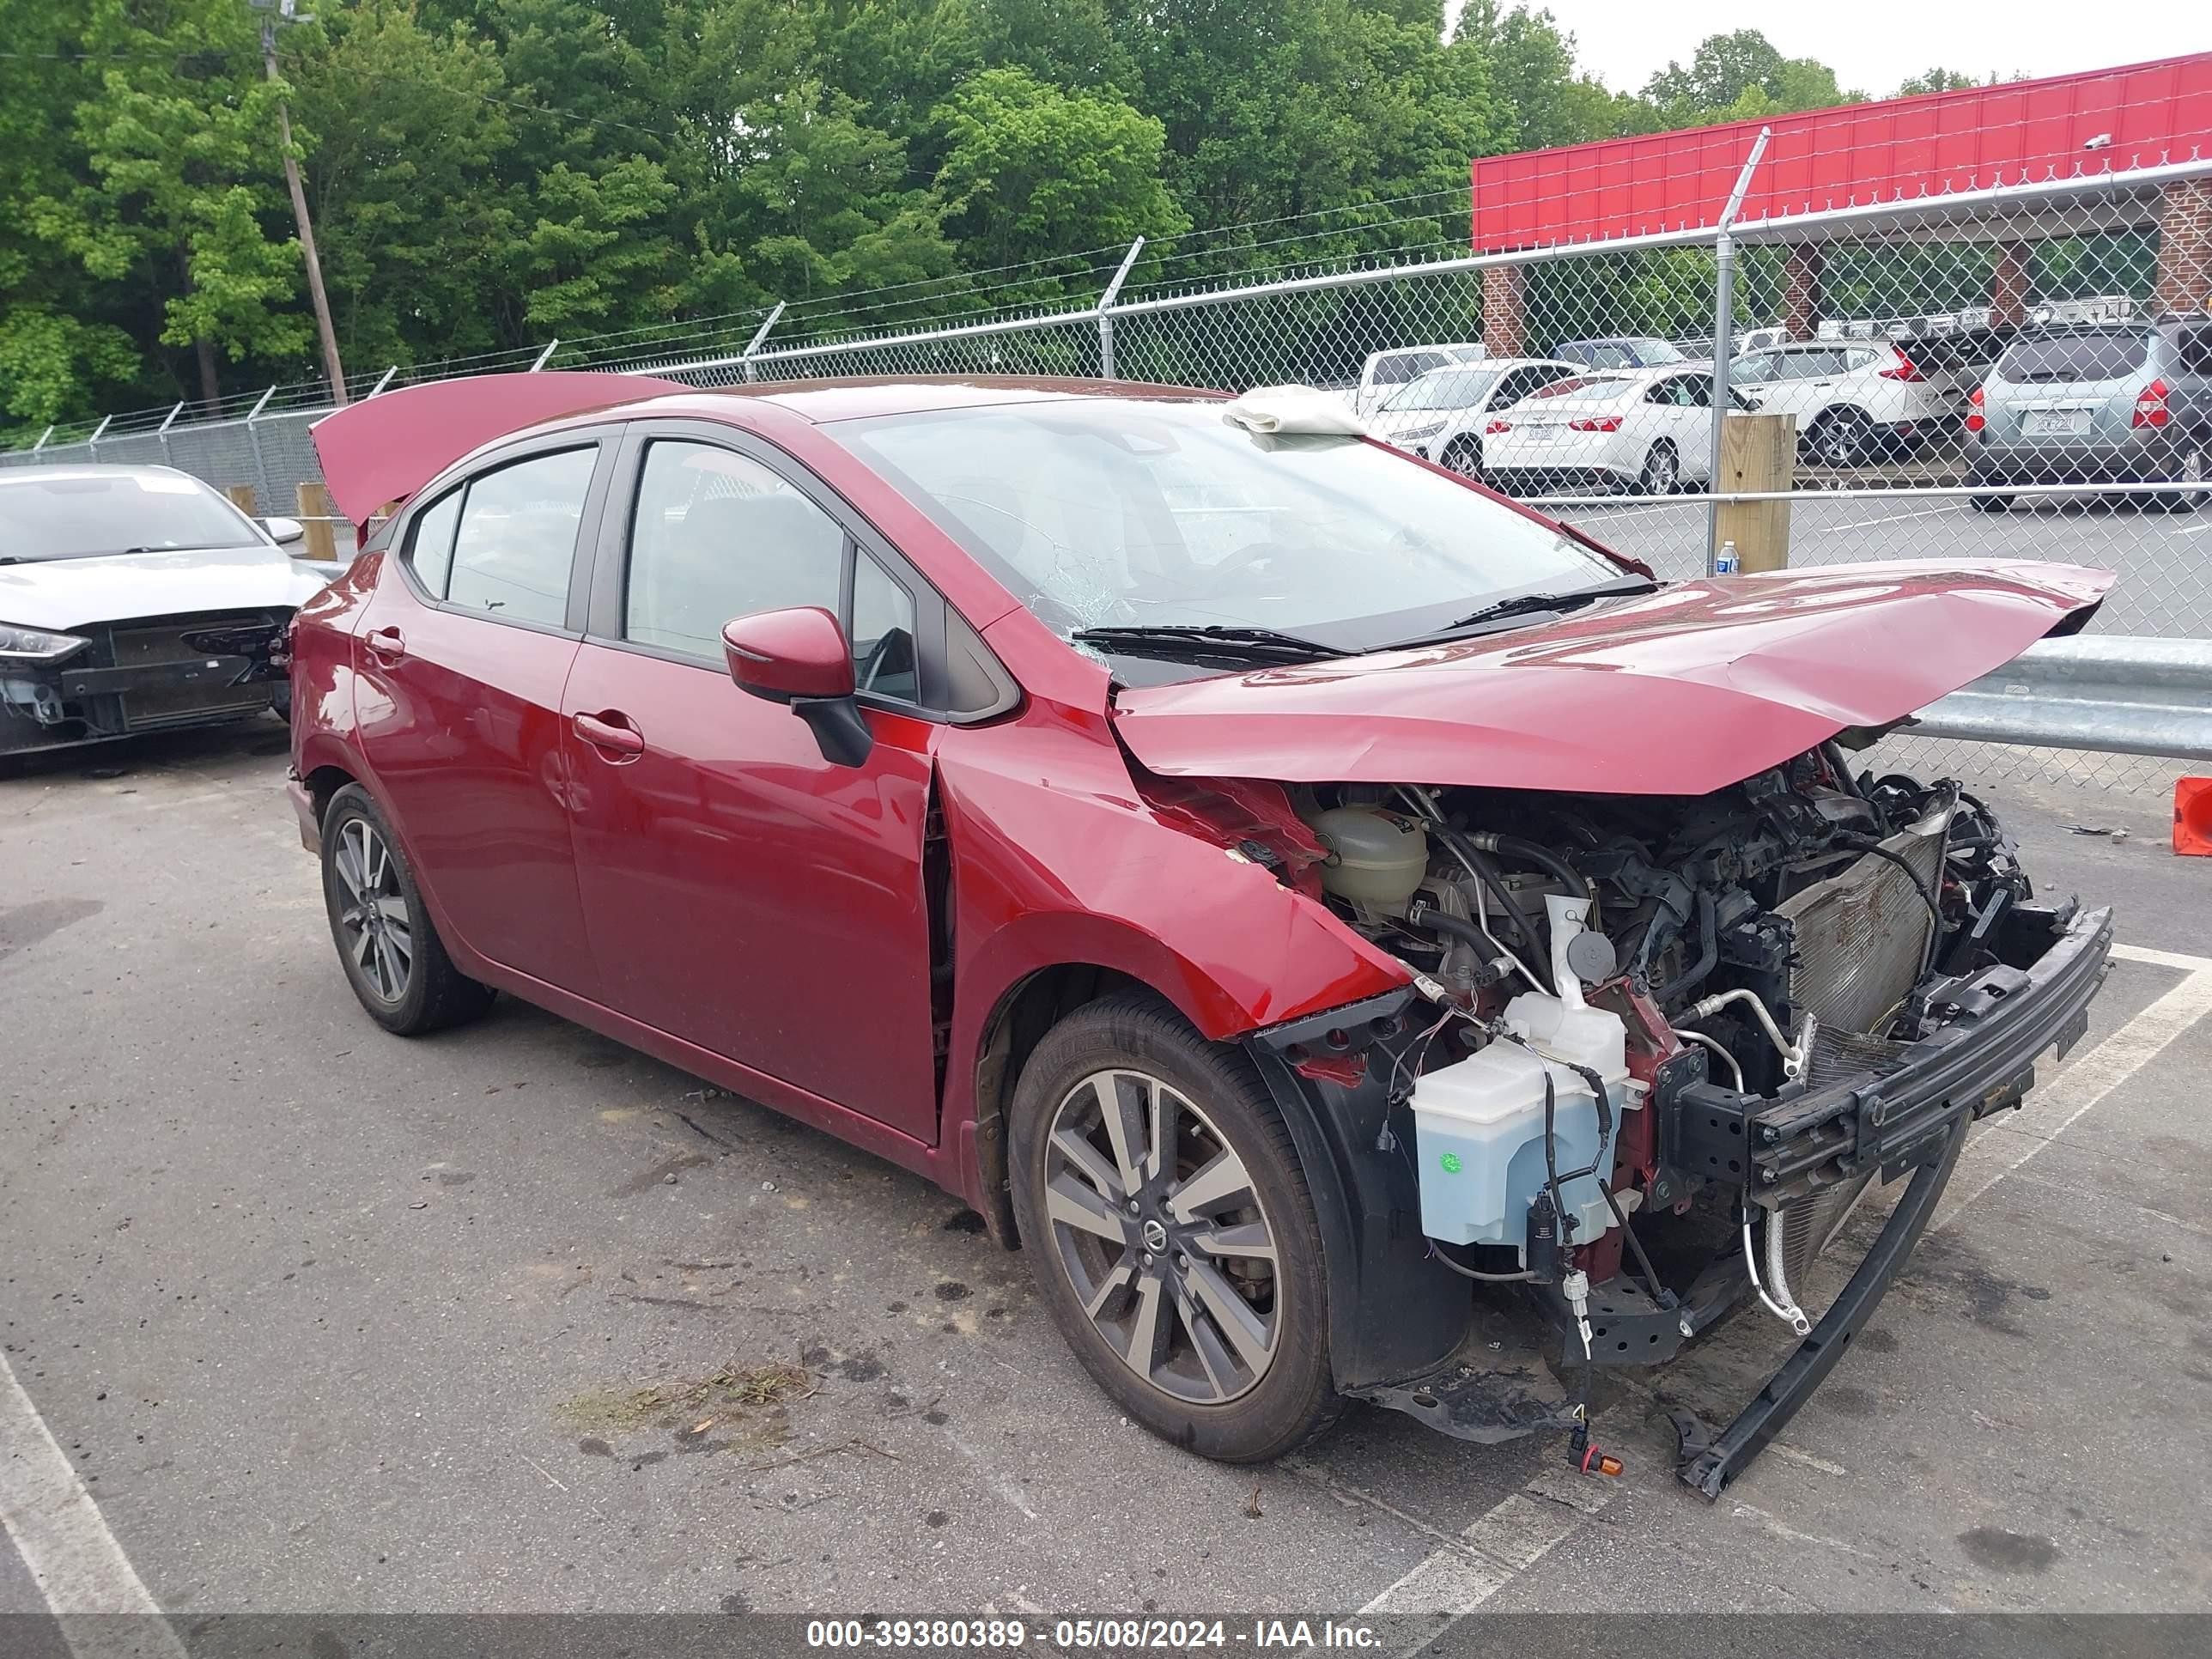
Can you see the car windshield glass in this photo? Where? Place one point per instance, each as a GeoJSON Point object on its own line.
{"type": "Point", "coordinates": [1651, 353]}
{"type": "Point", "coordinates": [2103, 354]}
{"type": "Point", "coordinates": [78, 515]}
{"type": "Point", "coordinates": [1605, 385]}
{"type": "Point", "coordinates": [1109, 513]}
{"type": "Point", "coordinates": [1445, 388]}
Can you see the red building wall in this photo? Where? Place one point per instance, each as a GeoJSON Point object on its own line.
{"type": "Point", "coordinates": [1943, 141]}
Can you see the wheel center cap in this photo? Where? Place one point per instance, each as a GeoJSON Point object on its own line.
{"type": "Point", "coordinates": [1155, 1236]}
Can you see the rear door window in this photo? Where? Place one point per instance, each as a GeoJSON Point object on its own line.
{"type": "Point", "coordinates": [2062, 358]}
{"type": "Point", "coordinates": [517, 538]}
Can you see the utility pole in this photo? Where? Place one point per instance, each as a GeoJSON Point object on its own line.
{"type": "Point", "coordinates": [286, 10]}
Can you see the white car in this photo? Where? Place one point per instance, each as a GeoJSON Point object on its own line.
{"type": "Point", "coordinates": [1854, 403]}
{"type": "Point", "coordinates": [1384, 372]}
{"type": "Point", "coordinates": [1649, 430]}
{"type": "Point", "coordinates": [136, 598]}
{"type": "Point", "coordinates": [1440, 416]}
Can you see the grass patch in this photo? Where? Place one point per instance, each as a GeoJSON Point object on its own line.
{"type": "Point", "coordinates": [681, 1405]}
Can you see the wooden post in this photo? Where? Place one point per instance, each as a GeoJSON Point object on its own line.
{"type": "Point", "coordinates": [242, 497]}
{"type": "Point", "coordinates": [316, 513]}
{"type": "Point", "coordinates": [1759, 453]}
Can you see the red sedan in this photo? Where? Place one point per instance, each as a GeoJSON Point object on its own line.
{"type": "Point", "coordinates": [1299, 896]}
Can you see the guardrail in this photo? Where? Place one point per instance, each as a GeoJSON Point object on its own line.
{"type": "Point", "coordinates": [2115, 693]}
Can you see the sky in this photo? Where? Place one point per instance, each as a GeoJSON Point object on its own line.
{"type": "Point", "coordinates": [1874, 44]}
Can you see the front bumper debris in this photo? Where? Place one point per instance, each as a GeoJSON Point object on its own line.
{"type": "Point", "coordinates": [1910, 1117]}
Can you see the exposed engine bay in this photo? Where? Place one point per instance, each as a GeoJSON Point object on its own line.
{"type": "Point", "coordinates": [1620, 996]}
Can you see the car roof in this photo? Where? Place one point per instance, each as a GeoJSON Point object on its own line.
{"type": "Point", "coordinates": [859, 396]}
{"type": "Point", "coordinates": [89, 469]}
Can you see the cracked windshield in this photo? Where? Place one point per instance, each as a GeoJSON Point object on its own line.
{"type": "Point", "coordinates": [1104, 515]}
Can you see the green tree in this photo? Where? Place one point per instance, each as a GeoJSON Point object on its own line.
{"type": "Point", "coordinates": [177, 188]}
{"type": "Point", "coordinates": [1031, 172]}
{"type": "Point", "coordinates": [1542, 99]}
{"type": "Point", "coordinates": [1742, 76]}
{"type": "Point", "coordinates": [412, 211]}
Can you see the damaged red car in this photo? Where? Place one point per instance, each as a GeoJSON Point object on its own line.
{"type": "Point", "coordinates": [1314, 906]}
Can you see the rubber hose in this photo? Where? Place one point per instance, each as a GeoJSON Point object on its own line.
{"type": "Point", "coordinates": [1709, 952]}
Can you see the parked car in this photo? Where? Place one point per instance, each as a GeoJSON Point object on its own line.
{"type": "Point", "coordinates": [1440, 416]}
{"type": "Point", "coordinates": [134, 599]}
{"type": "Point", "coordinates": [1384, 372]}
{"type": "Point", "coordinates": [2120, 403]}
{"type": "Point", "coordinates": [1650, 431]}
{"type": "Point", "coordinates": [1274, 882]}
{"type": "Point", "coordinates": [1854, 404]}
{"type": "Point", "coordinates": [1622, 351]}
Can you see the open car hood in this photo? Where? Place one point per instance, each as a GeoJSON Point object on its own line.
{"type": "Point", "coordinates": [1678, 692]}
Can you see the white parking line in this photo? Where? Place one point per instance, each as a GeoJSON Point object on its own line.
{"type": "Point", "coordinates": [73, 1558]}
{"type": "Point", "coordinates": [1894, 518]}
{"type": "Point", "coordinates": [2054, 1106]}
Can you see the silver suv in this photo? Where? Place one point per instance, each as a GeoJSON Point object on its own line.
{"type": "Point", "coordinates": [2092, 404]}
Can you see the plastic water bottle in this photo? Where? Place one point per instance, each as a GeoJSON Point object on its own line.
{"type": "Point", "coordinates": [1725, 564]}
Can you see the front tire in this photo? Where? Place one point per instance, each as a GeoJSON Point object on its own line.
{"type": "Point", "coordinates": [390, 949]}
{"type": "Point", "coordinates": [1169, 1225]}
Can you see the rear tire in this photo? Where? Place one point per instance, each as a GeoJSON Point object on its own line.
{"type": "Point", "coordinates": [1464, 457]}
{"type": "Point", "coordinates": [2191, 470]}
{"type": "Point", "coordinates": [1988, 503]}
{"type": "Point", "coordinates": [386, 942]}
{"type": "Point", "coordinates": [1841, 438]}
{"type": "Point", "coordinates": [1204, 1313]}
{"type": "Point", "coordinates": [1661, 474]}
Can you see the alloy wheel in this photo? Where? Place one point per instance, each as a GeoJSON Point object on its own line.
{"type": "Point", "coordinates": [372, 924]}
{"type": "Point", "coordinates": [1660, 472]}
{"type": "Point", "coordinates": [1161, 1232]}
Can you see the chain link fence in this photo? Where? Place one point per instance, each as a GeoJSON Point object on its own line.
{"type": "Point", "coordinates": [2022, 371]}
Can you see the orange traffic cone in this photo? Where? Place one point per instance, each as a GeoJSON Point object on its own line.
{"type": "Point", "coordinates": [2192, 816]}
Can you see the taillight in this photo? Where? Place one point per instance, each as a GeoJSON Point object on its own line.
{"type": "Point", "coordinates": [1975, 421]}
{"type": "Point", "coordinates": [1496, 427]}
{"type": "Point", "coordinates": [1602, 423]}
{"type": "Point", "coordinates": [2150, 405]}
{"type": "Point", "coordinates": [1903, 369]}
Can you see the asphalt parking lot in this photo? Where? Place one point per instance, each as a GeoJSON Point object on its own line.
{"type": "Point", "coordinates": [513, 1318]}
{"type": "Point", "coordinates": [2166, 558]}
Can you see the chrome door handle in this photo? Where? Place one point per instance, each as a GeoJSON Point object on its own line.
{"type": "Point", "coordinates": [387, 645]}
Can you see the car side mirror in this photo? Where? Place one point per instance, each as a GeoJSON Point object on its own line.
{"type": "Point", "coordinates": [285, 531]}
{"type": "Point", "coordinates": [799, 657]}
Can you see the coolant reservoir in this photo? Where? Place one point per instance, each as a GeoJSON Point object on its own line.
{"type": "Point", "coordinates": [1479, 1125]}
{"type": "Point", "coordinates": [1376, 859]}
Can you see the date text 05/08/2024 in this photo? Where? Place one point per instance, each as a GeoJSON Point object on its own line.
{"type": "Point", "coordinates": [1091, 1634]}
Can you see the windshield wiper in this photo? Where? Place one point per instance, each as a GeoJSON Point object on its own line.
{"type": "Point", "coordinates": [1209, 640]}
{"type": "Point", "coordinates": [1523, 604]}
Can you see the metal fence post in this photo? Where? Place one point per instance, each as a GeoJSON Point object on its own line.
{"type": "Point", "coordinates": [759, 335]}
{"type": "Point", "coordinates": [92, 444]}
{"type": "Point", "coordinates": [383, 383]}
{"type": "Point", "coordinates": [551, 346]}
{"type": "Point", "coordinates": [1724, 339]}
{"type": "Point", "coordinates": [1106, 309]}
{"type": "Point", "coordinates": [43, 436]}
{"type": "Point", "coordinates": [253, 438]}
{"type": "Point", "coordinates": [161, 435]}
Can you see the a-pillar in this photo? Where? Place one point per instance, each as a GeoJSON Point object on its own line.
{"type": "Point", "coordinates": [1506, 311]}
{"type": "Point", "coordinates": [1801, 291]}
{"type": "Point", "coordinates": [2009, 287]}
{"type": "Point", "coordinates": [2184, 248]}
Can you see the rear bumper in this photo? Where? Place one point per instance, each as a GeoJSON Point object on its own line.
{"type": "Point", "coordinates": [303, 808]}
{"type": "Point", "coordinates": [2149, 461]}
